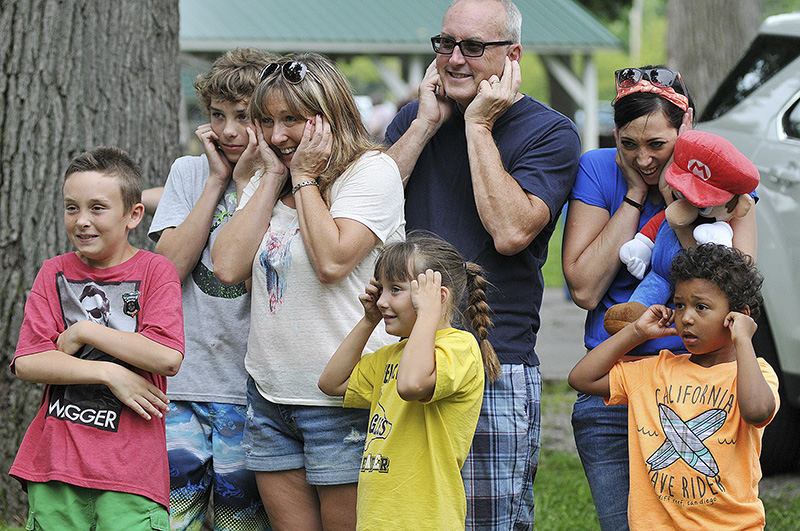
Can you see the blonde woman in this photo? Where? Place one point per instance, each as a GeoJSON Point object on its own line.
{"type": "Point", "coordinates": [307, 232]}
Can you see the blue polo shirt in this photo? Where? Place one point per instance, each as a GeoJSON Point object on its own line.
{"type": "Point", "coordinates": [539, 148]}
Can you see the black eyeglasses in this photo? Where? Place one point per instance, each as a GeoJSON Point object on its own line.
{"type": "Point", "coordinates": [293, 71]}
{"type": "Point", "coordinates": [468, 47]}
{"type": "Point", "coordinates": [658, 77]}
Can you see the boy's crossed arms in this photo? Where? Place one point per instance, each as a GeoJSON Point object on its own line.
{"type": "Point", "coordinates": [59, 367]}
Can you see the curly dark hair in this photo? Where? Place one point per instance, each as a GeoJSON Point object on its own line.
{"type": "Point", "coordinates": [730, 269]}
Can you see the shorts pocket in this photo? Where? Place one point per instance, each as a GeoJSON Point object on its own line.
{"type": "Point", "coordinates": [31, 524]}
{"type": "Point", "coordinates": [159, 519]}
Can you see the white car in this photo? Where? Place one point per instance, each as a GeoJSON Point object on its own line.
{"type": "Point", "coordinates": [757, 108]}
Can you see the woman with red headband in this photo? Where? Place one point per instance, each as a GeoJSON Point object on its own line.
{"type": "Point", "coordinates": [616, 192]}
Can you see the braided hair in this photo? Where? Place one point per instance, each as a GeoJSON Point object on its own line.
{"type": "Point", "coordinates": [405, 260]}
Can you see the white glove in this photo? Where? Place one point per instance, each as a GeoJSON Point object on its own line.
{"type": "Point", "coordinates": [636, 253]}
{"type": "Point", "coordinates": [719, 232]}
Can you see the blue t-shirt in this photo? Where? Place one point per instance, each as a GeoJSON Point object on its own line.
{"type": "Point", "coordinates": [600, 183]}
{"type": "Point", "coordinates": [539, 148]}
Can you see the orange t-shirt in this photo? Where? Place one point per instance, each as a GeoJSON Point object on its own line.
{"type": "Point", "coordinates": [693, 460]}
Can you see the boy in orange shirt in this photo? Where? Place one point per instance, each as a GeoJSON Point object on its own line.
{"type": "Point", "coordinates": [695, 419]}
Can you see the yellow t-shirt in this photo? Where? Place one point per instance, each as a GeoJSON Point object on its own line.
{"type": "Point", "coordinates": [693, 460]}
{"type": "Point", "coordinates": [410, 472]}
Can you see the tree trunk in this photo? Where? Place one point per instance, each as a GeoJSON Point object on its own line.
{"type": "Point", "coordinates": [705, 38]}
{"type": "Point", "coordinates": [74, 74]}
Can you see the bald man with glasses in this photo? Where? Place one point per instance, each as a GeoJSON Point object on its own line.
{"type": "Point", "coordinates": [488, 169]}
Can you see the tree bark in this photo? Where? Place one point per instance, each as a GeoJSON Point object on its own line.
{"type": "Point", "coordinates": [74, 74]}
{"type": "Point", "coordinates": [705, 38]}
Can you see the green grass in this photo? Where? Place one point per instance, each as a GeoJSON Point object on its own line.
{"type": "Point", "coordinates": [553, 277]}
{"type": "Point", "coordinates": [563, 500]}
{"type": "Point", "coordinates": [557, 396]}
{"type": "Point", "coordinates": [782, 510]}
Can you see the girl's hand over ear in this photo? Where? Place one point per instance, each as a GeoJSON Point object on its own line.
{"type": "Point", "coordinates": [369, 300]}
{"type": "Point", "coordinates": [426, 293]}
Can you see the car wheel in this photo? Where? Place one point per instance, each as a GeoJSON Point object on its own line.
{"type": "Point", "coordinates": [780, 452]}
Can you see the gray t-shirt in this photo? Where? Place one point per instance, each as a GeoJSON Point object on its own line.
{"type": "Point", "coordinates": [216, 315]}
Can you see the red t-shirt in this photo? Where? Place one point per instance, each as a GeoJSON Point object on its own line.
{"type": "Point", "coordinates": [83, 435]}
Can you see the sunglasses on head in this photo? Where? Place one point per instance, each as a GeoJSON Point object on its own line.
{"type": "Point", "coordinates": [293, 71]}
{"type": "Point", "coordinates": [468, 47]}
{"type": "Point", "coordinates": [658, 77]}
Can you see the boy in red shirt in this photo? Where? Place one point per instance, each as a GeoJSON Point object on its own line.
{"type": "Point", "coordinates": [103, 327]}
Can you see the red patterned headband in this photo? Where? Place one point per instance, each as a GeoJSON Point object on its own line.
{"type": "Point", "coordinates": [668, 94]}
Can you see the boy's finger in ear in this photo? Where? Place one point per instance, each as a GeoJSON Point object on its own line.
{"type": "Point", "coordinates": [372, 291]}
{"type": "Point", "coordinates": [729, 319]}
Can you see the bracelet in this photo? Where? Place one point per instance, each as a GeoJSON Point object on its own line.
{"type": "Point", "coordinates": [626, 199]}
{"type": "Point", "coordinates": [296, 187]}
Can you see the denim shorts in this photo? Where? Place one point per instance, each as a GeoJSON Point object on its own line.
{"type": "Point", "coordinates": [326, 441]}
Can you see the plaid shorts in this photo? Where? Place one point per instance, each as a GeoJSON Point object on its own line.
{"type": "Point", "coordinates": [501, 466]}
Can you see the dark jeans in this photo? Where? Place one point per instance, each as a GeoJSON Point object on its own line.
{"type": "Point", "coordinates": [601, 435]}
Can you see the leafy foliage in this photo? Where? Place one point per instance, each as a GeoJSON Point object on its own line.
{"type": "Point", "coordinates": [607, 10]}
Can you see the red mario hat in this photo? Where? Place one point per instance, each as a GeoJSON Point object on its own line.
{"type": "Point", "coordinates": [708, 170]}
